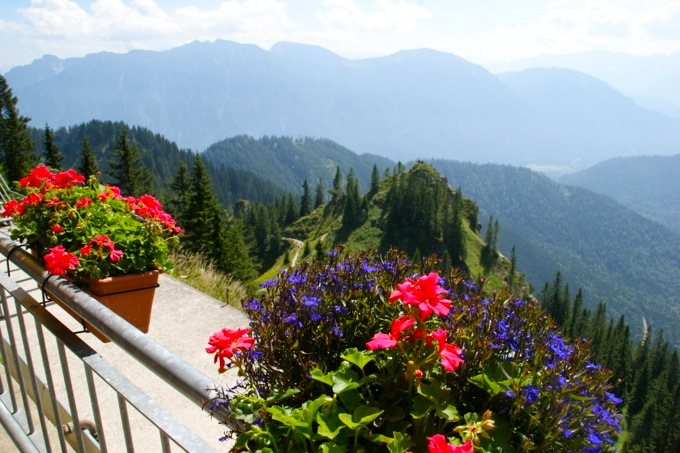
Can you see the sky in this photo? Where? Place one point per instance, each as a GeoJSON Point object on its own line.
{"type": "Point", "coordinates": [481, 31]}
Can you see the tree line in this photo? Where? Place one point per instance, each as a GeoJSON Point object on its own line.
{"type": "Point", "coordinates": [646, 372]}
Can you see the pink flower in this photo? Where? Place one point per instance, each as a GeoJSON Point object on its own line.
{"type": "Point", "coordinates": [226, 342]}
{"type": "Point", "coordinates": [385, 341]}
{"type": "Point", "coordinates": [425, 293]}
{"type": "Point", "coordinates": [439, 444]}
{"type": "Point", "coordinates": [86, 250]}
{"type": "Point", "coordinates": [450, 353]}
{"type": "Point", "coordinates": [58, 261]}
{"type": "Point", "coordinates": [115, 255]}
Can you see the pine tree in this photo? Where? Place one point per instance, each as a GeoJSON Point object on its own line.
{"type": "Point", "coordinates": [305, 200]}
{"type": "Point", "coordinates": [336, 192]}
{"type": "Point", "coordinates": [352, 208]}
{"type": "Point", "coordinates": [53, 156]}
{"type": "Point", "coordinates": [320, 197]}
{"type": "Point", "coordinates": [201, 226]}
{"type": "Point", "coordinates": [513, 266]}
{"type": "Point", "coordinates": [16, 147]}
{"type": "Point", "coordinates": [375, 181]}
{"type": "Point", "coordinates": [88, 162]}
{"type": "Point", "coordinates": [181, 188]}
{"type": "Point", "coordinates": [127, 170]}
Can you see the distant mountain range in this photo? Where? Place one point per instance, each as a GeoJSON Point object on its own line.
{"type": "Point", "coordinates": [653, 81]}
{"type": "Point", "coordinates": [614, 254]}
{"type": "Point", "coordinates": [412, 104]}
{"type": "Point", "coordinates": [648, 185]}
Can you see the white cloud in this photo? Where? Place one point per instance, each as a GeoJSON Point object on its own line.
{"type": "Point", "coordinates": [664, 23]}
{"type": "Point", "coordinates": [64, 28]}
{"type": "Point", "coordinates": [385, 16]}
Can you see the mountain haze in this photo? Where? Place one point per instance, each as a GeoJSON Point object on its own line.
{"type": "Point", "coordinates": [648, 185]}
{"type": "Point", "coordinates": [412, 104]}
{"type": "Point", "coordinates": [613, 254]}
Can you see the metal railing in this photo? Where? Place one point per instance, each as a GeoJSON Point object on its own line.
{"type": "Point", "coordinates": [53, 384]}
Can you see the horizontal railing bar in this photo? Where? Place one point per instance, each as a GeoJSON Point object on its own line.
{"type": "Point", "coordinates": [186, 379]}
{"type": "Point", "coordinates": [181, 435]}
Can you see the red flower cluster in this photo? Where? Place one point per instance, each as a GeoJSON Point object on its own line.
{"type": "Point", "coordinates": [58, 261]}
{"type": "Point", "coordinates": [41, 176]}
{"type": "Point", "coordinates": [439, 444]}
{"type": "Point", "coordinates": [150, 208]}
{"type": "Point", "coordinates": [227, 342]}
{"type": "Point", "coordinates": [425, 293]}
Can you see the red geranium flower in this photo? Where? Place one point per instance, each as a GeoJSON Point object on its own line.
{"type": "Point", "coordinates": [58, 261]}
{"type": "Point", "coordinates": [439, 444]}
{"type": "Point", "coordinates": [450, 353]}
{"type": "Point", "coordinates": [57, 229]}
{"type": "Point", "coordinates": [425, 293]}
{"type": "Point", "coordinates": [385, 341]}
{"type": "Point", "coordinates": [37, 177]}
{"type": "Point", "coordinates": [226, 342]}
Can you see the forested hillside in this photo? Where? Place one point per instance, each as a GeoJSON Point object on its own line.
{"type": "Point", "coordinates": [613, 254]}
{"type": "Point", "coordinates": [288, 162]}
{"type": "Point", "coordinates": [648, 185]}
{"type": "Point", "coordinates": [159, 155]}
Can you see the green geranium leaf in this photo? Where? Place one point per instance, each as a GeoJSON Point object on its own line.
{"type": "Point", "coordinates": [358, 358]}
{"type": "Point", "coordinates": [363, 415]}
{"type": "Point", "coordinates": [400, 444]}
{"type": "Point", "coordinates": [276, 397]}
{"type": "Point", "coordinates": [421, 406]}
{"type": "Point", "coordinates": [329, 423]}
{"type": "Point", "coordinates": [330, 447]}
{"type": "Point", "coordinates": [448, 412]}
{"type": "Point", "coordinates": [345, 379]}
{"type": "Point", "coordinates": [287, 418]}
{"type": "Point", "coordinates": [322, 377]}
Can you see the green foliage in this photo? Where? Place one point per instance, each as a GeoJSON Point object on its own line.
{"type": "Point", "coordinates": [312, 385]}
{"type": "Point", "coordinates": [87, 164]}
{"type": "Point", "coordinates": [16, 146]}
{"type": "Point", "coordinates": [126, 169]}
{"type": "Point", "coordinates": [286, 161]}
{"type": "Point", "coordinates": [53, 156]}
{"type": "Point", "coordinates": [160, 156]}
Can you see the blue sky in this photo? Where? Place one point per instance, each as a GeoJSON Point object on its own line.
{"type": "Point", "coordinates": [481, 31]}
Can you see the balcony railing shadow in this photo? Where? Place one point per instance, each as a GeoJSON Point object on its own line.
{"type": "Point", "coordinates": [63, 389]}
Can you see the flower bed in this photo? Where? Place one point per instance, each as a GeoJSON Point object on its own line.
{"type": "Point", "coordinates": [369, 353]}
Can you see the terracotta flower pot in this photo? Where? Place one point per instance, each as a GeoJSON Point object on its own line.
{"type": "Point", "coordinates": [129, 296]}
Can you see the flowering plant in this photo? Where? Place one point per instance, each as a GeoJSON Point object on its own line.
{"type": "Point", "coordinates": [333, 363]}
{"type": "Point", "coordinates": [89, 229]}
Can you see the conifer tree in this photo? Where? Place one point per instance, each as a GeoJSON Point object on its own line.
{"type": "Point", "coordinates": [375, 181]}
{"type": "Point", "coordinates": [352, 208]}
{"type": "Point", "coordinates": [305, 200]}
{"type": "Point", "coordinates": [513, 265]}
{"type": "Point", "coordinates": [236, 260]}
{"type": "Point", "coordinates": [127, 170]}
{"type": "Point", "coordinates": [200, 224]}
{"type": "Point", "coordinates": [320, 196]}
{"type": "Point", "coordinates": [16, 147]}
{"type": "Point", "coordinates": [88, 162]}
{"type": "Point", "coordinates": [181, 188]}
{"type": "Point", "coordinates": [336, 192]}
{"type": "Point", "coordinates": [53, 156]}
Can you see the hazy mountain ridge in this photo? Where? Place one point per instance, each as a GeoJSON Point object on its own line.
{"type": "Point", "coordinates": [648, 185]}
{"type": "Point", "coordinates": [613, 254]}
{"type": "Point", "coordinates": [654, 80]}
{"type": "Point", "coordinates": [417, 103]}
